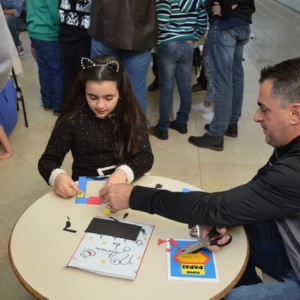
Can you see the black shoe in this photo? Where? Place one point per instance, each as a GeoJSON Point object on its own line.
{"type": "Point", "coordinates": [232, 129]}
{"type": "Point", "coordinates": [181, 128]}
{"type": "Point", "coordinates": [197, 88]}
{"type": "Point", "coordinates": [56, 113]}
{"type": "Point", "coordinates": [154, 86]}
{"type": "Point", "coordinates": [47, 108]}
{"type": "Point", "coordinates": [159, 133]}
{"type": "Point", "coordinates": [208, 141]}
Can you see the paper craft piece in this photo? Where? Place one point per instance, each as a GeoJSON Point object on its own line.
{"type": "Point", "coordinates": [68, 225]}
{"type": "Point", "coordinates": [115, 228]}
{"type": "Point", "coordinates": [186, 190]}
{"type": "Point", "coordinates": [160, 241]}
{"type": "Point", "coordinates": [192, 266]}
{"type": "Point", "coordinates": [107, 211]}
{"type": "Point", "coordinates": [173, 242]}
{"type": "Point", "coordinates": [112, 256]}
{"type": "Point", "coordinates": [90, 186]}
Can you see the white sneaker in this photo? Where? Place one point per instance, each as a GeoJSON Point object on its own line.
{"type": "Point", "coordinates": [200, 107]}
{"type": "Point", "coordinates": [208, 116]}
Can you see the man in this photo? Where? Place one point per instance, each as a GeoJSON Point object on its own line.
{"type": "Point", "coordinates": [127, 29]}
{"type": "Point", "coordinates": [228, 33]}
{"type": "Point", "coordinates": [268, 205]}
{"type": "Point", "coordinates": [15, 15]}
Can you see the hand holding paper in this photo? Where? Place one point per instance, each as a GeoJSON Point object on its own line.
{"type": "Point", "coordinates": [65, 186]}
{"type": "Point", "coordinates": [117, 196]}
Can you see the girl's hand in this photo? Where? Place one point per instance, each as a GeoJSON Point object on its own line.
{"type": "Point", "coordinates": [65, 187]}
{"type": "Point", "coordinates": [119, 176]}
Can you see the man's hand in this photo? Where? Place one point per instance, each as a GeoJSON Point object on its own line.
{"type": "Point", "coordinates": [65, 187]}
{"type": "Point", "coordinates": [204, 231]}
{"type": "Point", "coordinates": [117, 196]}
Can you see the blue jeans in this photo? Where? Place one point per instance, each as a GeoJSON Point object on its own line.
{"type": "Point", "coordinates": [136, 64]}
{"type": "Point", "coordinates": [267, 252]}
{"type": "Point", "coordinates": [15, 25]}
{"type": "Point", "coordinates": [225, 52]}
{"type": "Point", "coordinates": [174, 61]}
{"type": "Point", "coordinates": [288, 289]}
{"type": "Point", "coordinates": [49, 60]}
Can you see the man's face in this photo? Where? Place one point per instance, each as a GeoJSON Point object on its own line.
{"type": "Point", "coordinates": [275, 121]}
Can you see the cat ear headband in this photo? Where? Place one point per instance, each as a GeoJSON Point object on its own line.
{"type": "Point", "coordinates": [88, 63]}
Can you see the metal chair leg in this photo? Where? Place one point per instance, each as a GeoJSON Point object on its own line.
{"type": "Point", "coordinates": [20, 97]}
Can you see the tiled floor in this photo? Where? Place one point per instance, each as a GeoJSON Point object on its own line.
{"type": "Point", "coordinates": [21, 184]}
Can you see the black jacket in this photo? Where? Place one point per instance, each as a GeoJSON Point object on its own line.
{"type": "Point", "coordinates": [273, 194]}
{"type": "Point", "coordinates": [244, 10]}
{"type": "Point", "coordinates": [124, 24]}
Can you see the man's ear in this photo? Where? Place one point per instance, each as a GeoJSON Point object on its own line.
{"type": "Point", "coordinates": [295, 113]}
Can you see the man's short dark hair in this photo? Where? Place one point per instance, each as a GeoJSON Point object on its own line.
{"type": "Point", "coordinates": [285, 77]}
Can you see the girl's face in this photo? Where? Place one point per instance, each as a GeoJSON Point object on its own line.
{"type": "Point", "coordinates": [102, 97]}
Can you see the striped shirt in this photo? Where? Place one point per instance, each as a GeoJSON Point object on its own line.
{"type": "Point", "coordinates": [180, 20]}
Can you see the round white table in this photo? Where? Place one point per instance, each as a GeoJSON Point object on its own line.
{"type": "Point", "coordinates": [39, 250]}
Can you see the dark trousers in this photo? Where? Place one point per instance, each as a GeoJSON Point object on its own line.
{"type": "Point", "coordinates": [267, 252]}
{"type": "Point", "coordinates": [72, 52]}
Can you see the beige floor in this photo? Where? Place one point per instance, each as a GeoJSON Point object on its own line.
{"type": "Point", "coordinates": [21, 184]}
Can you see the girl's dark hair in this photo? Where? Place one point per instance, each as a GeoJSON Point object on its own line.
{"type": "Point", "coordinates": [129, 121]}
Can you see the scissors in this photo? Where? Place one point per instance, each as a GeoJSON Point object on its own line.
{"type": "Point", "coordinates": [210, 240]}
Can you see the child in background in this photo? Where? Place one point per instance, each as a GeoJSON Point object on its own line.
{"type": "Point", "coordinates": [8, 117]}
{"type": "Point", "coordinates": [102, 125]}
{"type": "Point", "coordinates": [43, 28]}
{"type": "Point", "coordinates": [74, 40]}
{"type": "Point", "coordinates": [15, 15]}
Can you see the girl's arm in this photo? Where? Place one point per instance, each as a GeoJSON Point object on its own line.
{"type": "Point", "coordinates": [58, 146]}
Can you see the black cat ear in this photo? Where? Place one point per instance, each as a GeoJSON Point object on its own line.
{"type": "Point", "coordinates": [114, 64]}
{"type": "Point", "coordinates": [87, 63]}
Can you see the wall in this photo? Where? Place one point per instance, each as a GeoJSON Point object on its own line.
{"type": "Point", "coordinates": [276, 34]}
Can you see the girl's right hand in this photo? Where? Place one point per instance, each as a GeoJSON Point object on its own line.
{"type": "Point", "coordinates": [65, 187]}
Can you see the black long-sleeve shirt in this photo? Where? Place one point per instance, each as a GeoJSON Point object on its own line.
{"type": "Point", "coordinates": [90, 142]}
{"type": "Point", "coordinates": [273, 194]}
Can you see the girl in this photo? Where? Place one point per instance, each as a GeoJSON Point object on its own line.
{"type": "Point", "coordinates": [104, 128]}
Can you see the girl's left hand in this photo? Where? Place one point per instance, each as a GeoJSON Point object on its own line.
{"type": "Point", "coordinates": [119, 176]}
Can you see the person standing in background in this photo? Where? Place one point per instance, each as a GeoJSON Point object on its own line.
{"type": "Point", "coordinates": [180, 24]}
{"type": "Point", "coordinates": [8, 97]}
{"type": "Point", "coordinates": [228, 33]}
{"type": "Point", "coordinates": [43, 28]}
{"type": "Point", "coordinates": [8, 117]}
{"type": "Point", "coordinates": [127, 29]}
{"type": "Point", "coordinates": [15, 14]}
{"type": "Point", "coordinates": [6, 50]}
{"type": "Point", "coordinates": [74, 40]}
